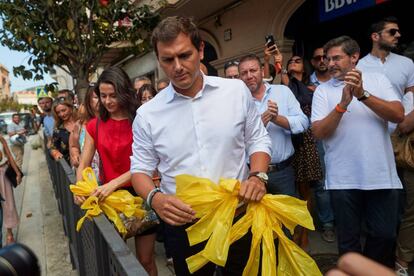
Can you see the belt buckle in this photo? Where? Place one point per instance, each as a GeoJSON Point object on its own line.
{"type": "Point", "coordinates": [272, 168]}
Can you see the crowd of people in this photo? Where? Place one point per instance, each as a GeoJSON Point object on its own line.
{"type": "Point", "coordinates": [322, 136]}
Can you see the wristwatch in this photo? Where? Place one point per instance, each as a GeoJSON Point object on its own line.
{"type": "Point", "coordinates": [283, 71]}
{"type": "Point", "coordinates": [365, 95]}
{"type": "Point", "coordinates": [261, 175]}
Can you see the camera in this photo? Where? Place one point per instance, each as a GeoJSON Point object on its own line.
{"type": "Point", "coordinates": [270, 41]}
{"type": "Point", "coordinates": [18, 259]}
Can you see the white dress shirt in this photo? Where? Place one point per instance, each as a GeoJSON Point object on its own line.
{"type": "Point", "coordinates": [288, 107]}
{"type": "Point", "coordinates": [399, 70]}
{"type": "Point", "coordinates": [210, 135]}
{"type": "Point", "coordinates": [359, 153]}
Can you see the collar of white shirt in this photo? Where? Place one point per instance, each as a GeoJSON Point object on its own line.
{"type": "Point", "coordinates": [173, 94]}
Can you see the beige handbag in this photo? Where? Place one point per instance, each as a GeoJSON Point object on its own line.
{"type": "Point", "coordinates": [403, 149]}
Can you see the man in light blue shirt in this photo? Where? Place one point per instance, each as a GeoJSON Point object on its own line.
{"type": "Point", "coordinates": [45, 104]}
{"type": "Point", "coordinates": [198, 125]}
{"type": "Point", "coordinates": [282, 116]}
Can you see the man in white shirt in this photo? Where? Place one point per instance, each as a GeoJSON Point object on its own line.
{"type": "Point", "coordinates": [282, 116]}
{"type": "Point", "coordinates": [17, 134]}
{"type": "Point", "coordinates": [399, 70]}
{"type": "Point", "coordinates": [350, 113]}
{"type": "Point", "coordinates": [200, 125]}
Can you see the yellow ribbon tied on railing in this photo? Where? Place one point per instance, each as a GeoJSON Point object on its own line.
{"type": "Point", "coordinates": [215, 205]}
{"type": "Point", "coordinates": [120, 201]}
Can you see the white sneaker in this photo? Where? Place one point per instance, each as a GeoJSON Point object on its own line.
{"type": "Point", "coordinates": [401, 270]}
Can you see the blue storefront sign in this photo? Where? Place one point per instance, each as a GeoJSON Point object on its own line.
{"type": "Point", "coordinates": [329, 9]}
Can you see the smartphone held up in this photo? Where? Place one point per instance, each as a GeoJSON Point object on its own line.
{"type": "Point", "coordinates": [270, 41]}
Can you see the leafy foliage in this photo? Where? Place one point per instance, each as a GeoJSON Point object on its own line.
{"type": "Point", "coordinates": [72, 34]}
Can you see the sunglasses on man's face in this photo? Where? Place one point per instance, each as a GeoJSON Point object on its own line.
{"type": "Point", "coordinates": [392, 32]}
{"type": "Point", "coordinates": [319, 57]}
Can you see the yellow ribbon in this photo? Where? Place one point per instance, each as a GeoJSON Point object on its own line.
{"type": "Point", "coordinates": [120, 201]}
{"type": "Point", "coordinates": [215, 205]}
{"type": "Point", "coordinates": [205, 198]}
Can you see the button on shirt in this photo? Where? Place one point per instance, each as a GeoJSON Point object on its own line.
{"type": "Point", "coordinates": [210, 135]}
{"type": "Point", "coordinates": [359, 153]}
{"type": "Point", "coordinates": [288, 107]}
{"type": "Point", "coordinates": [399, 70]}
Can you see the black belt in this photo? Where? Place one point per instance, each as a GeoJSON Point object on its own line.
{"type": "Point", "coordinates": [275, 167]}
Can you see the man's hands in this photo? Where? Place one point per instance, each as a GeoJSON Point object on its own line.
{"type": "Point", "coordinates": [172, 210]}
{"type": "Point", "coordinates": [252, 189]}
{"type": "Point", "coordinates": [353, 79]}
{"type": "Point", "coordinates": [271, 113]}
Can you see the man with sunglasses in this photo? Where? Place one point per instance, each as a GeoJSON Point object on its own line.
{"type": "Point", "coordinates": [322, 197]}
{"type": "Point", "coordinates": [385, 35]}
{"type": "Point", "coordinates": [320, 73]}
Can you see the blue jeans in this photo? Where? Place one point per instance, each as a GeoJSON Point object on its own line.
{"type": "Point", "coordinates": [282, 182]}
{"type": "Point", "coordinates": [379, 208]}
{"type": "Point", "coordinates": [322, 196]}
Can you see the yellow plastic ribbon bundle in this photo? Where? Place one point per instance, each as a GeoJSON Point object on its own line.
{"type": "Point", "coordinates": [120, 201]}
{"type": "Point", "coordinates": [215, 205]}
{"type": "Point", "coordinates": [205, 198]}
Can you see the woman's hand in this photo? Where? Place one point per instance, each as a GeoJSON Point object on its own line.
{"type": "Point", "coordinates": [103, 191]}
{"type": "Point", "coordinates": [56, 154]}
{"type": "Point", "coordinates": [74, 159]}
{"type": "Point", "coordinates": [19, 178]}
{"type": "Point", "coordinates": [79, 199]}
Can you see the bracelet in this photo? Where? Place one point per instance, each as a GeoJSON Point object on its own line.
{"type": "Point", "coordinates": [151, 196]}
{"type": "Point", "coordinates": [339, 109]}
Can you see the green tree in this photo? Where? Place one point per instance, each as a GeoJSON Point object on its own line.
{"type": "Point", "coordinates": [73, 34]}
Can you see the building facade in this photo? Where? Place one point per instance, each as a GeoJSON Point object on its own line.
{"type": "Point", "coordinates": [27, 97]}
{"type": "Point", "coordinates": [232, 28]}
{"type": "Point", "coordinates": [4, 82]}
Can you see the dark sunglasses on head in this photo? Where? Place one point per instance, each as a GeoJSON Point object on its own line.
{"type": "Point", "coordinates": [392, 32]}
{"type": "Point", "coordinates": [59, 100]}
{"type": "Point", "coordinates": [296, 60]}
{"type": "Point", "coordinates": [230, 63]}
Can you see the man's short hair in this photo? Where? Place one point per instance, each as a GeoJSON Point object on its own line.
{"type": "Point", "coordinates": [250, 57]}
{"type": "Point", "coordinates": [380, 25]}
{"type": "Point", "coordinates": [15, 114]}
{"type": "Point", "coordinates": [38, 100]}
{"type": "Point", "coordinates": [169, 28]}
{"type": "Point", "coordinates": [348, 45]}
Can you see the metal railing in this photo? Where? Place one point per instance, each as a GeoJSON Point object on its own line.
{"type": "Point", "coordinates": [97, 249]}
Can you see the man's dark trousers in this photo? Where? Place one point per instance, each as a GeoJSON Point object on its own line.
{"type": "Point", "coordinates": [379, 208]}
